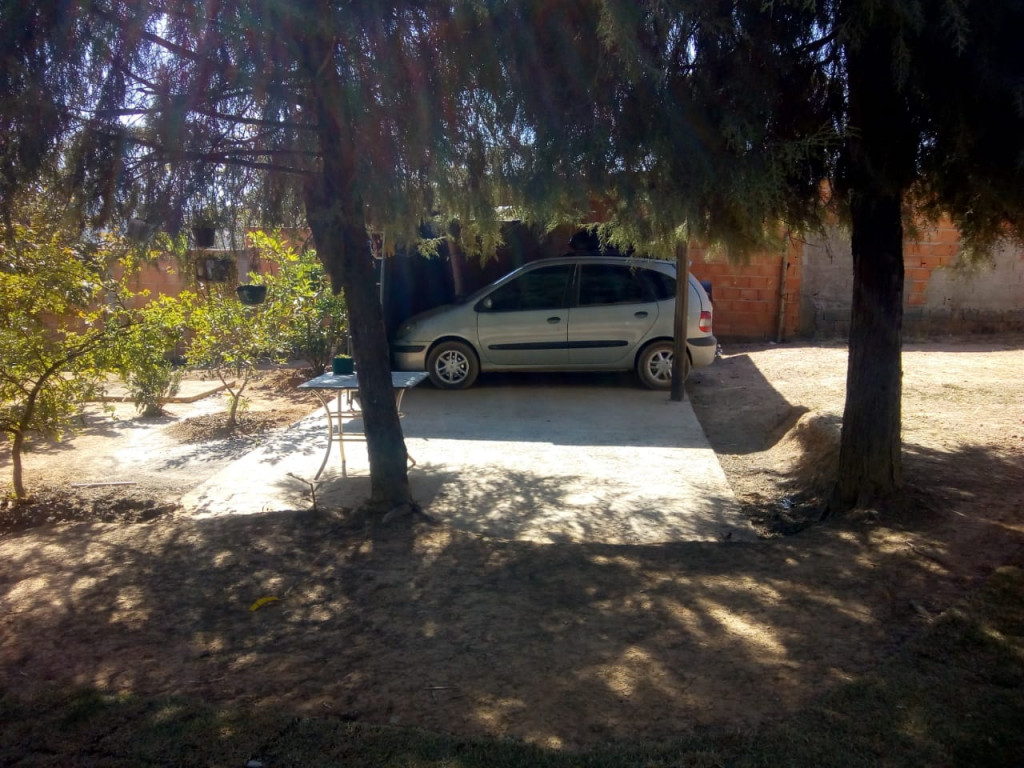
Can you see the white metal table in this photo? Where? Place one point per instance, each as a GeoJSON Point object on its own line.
{"type": "Point", "coordinates": [345, 389]}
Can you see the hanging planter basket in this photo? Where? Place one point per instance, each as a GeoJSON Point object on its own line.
{"type": "Point", "coordinates": [251, 295]}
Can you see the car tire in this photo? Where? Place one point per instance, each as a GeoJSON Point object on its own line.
{"type": "Point", "coordinates": [654, 365]}
{"type": "Point", "coordinates": [452, 365]}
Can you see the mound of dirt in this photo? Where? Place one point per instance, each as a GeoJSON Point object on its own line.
{"type": "Point", "coordinates": [214, 426]}
{"type": "Point", "coordinates": [125, 505]}
{"type": "Point", "coordinates": [804, 459]}
{"type": "Point", "coordinates": [808, 454]}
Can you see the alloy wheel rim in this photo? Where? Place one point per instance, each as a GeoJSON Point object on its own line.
{"type": "Point", "coordinates": [452, 367]}
{"type": "Point", "coordinates": [660, 366]}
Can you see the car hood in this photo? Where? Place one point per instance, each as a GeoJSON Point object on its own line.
{"type": "Point", "coordinates": [423, 322]}
{"type": "Point", "coordinates": [431, 313]}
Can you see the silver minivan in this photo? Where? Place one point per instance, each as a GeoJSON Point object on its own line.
{"type": "Point", "coordinates": [573, 313]}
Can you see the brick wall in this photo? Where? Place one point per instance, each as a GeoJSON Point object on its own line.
{"type": "Point", "coordinates": [930, 249]}
{"type": "Point", "coordinates": [747, 295]}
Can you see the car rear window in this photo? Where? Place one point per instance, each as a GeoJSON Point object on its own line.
{"type": "Point", "coordinates": [612, 284]}
{"type": "Point", "coordinates": [663, 286]}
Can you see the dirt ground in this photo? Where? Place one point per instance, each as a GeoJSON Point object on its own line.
{"type": "Point", "coordinates": [566, 645]}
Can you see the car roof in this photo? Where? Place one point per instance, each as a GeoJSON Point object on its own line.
{"type": "Point", "coordinates": [571, 258]}
{"type": "Point", "coordinates": [586, 258]}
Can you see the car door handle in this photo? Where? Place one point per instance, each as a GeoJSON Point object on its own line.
{"type": "Point", "coordinates": [640, 314]}
{"type": "Point", "coordinates": [554, 320]}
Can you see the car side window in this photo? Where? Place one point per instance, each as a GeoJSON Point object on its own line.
{"type": "Point", "coordinates": [663, 286]}
{"type": "Point", "coordinates": [543, 288]}
{"type": "Point", "coordinates": [614, 284]}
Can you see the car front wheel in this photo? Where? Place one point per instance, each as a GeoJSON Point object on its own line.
{"type": "Point", "coordinates": [654, 366]}
{"type": "Point", "coordinates": [452, 365]}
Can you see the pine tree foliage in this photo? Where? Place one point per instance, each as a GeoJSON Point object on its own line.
{"type": "Point", "coordinates": [955, 145]}
{"type": "Point", "coordinates": [669, 118]}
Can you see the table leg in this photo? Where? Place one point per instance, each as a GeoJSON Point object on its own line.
{"type": "Point", "coordinates": [399, 394]}
{"type": "Point", "coordinates": [339, 414]}
{"type": "Point", "coordinates": [326, 403]}
{"type": "Point", "coordinates": [341, 436]}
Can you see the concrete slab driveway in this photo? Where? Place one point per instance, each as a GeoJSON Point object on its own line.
{"type": "Point", "coordinates": [544, 459]}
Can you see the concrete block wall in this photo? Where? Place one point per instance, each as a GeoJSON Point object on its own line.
{"type": "Point", "coordinates": [827, 288]}
{"type": "Point", "coordinates": [941, 295]}
{"type": "Point", "coordinates": [947, 297]}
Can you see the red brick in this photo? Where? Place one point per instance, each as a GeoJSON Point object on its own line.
{"type": "Point", "coordinates": [922, 274]}
{"type": "Point", "coordinates": [718, 269]}
{"type": "Point", "coordinates": [700, 271]}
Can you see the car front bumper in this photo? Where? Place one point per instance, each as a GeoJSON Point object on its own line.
{"type": "Point", "coordinates": [409, 356]}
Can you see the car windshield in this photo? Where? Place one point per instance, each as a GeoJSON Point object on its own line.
{"type": "Point", "coordinates": [481, 292]}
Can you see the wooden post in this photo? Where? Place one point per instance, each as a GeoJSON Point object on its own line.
{"type": "Point", "coordinates": [780, 332]}
{"type": "Point", "coordinates": [680, 360]}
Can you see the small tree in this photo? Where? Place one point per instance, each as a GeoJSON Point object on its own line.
{"type": "Point", "coordinates": [317, 318]}
{"type": "Point", "coordinates": [232, 339]}
{"type": "Point", "coordinates": [144, 351]}
{"type": "Point", "coordinates": [59, 312]}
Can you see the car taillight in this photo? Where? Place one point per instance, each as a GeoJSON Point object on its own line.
{"type": "Point", "coordinates": [705, 321]}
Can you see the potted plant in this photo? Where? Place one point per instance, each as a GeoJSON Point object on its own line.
{"type": "Point", "coordinates": [342, 365]}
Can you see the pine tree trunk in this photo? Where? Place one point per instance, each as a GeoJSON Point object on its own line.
{"type": "Point", "coordinates": [336, 217]}
{"type": "Point", "coordinates": [345, 250]}
{"type": "Point", "coordinates": [870, 446]}
{"type": "Point", "coordinates": [880, 154]}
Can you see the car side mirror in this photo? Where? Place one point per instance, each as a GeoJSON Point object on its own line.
{"type": "Point", "coordinates": [485, 303]}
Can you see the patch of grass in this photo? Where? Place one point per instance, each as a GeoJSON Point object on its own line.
{"type": "Point", "coordinates": [954, 696]}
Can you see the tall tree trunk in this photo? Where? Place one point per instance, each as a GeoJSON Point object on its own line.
{"type": "Point", "coordinates": [336, 217]}
{"type": "Point", "coordinates": [879, 150]}
{"type": "Point", "coordinates": [344, 247]}
{"type": "Point", "coordinates": [870, 446]}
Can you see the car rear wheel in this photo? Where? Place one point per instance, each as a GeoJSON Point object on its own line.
{"type": "Point", "coordinates": [452, 365]}
{"type": "Point", "coordinates": [654, 366]}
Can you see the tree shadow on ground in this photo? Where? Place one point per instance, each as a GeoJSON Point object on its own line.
{"type": "Point", "coordinates": [740, 410]}
{"type": "Point", "coordinates": [512, 504]}
{"type": "Point", "coordinates": [951, 697]}
{"type": "Point", "coordinates": [562, 645]}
